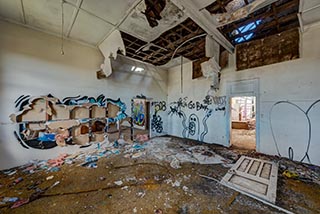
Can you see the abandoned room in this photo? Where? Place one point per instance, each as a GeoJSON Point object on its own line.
{"type": "Point", "coordinates": [160, 106]}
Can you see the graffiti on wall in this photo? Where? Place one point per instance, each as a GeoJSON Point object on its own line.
{"type": "Point", "coordinates": [156, 120]}
{"type": "Point", "coordinates": [45, 122]}
{"type": "Point", "coordinates": [139, 112]}
{"type": "Point", "coordinates": [193, 126]}
{"type": "Point", "coordinates": [289, 151]}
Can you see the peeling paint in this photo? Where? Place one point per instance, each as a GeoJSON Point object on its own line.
{"type": "Point", "coordinates": [137, 25]}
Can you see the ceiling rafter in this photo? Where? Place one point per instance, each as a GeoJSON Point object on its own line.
{"type": "Point", "coordinates": [271, 19]}
{"type": "Point", "coordinates": [187, 47]}
{"type": "Point", "coordinates": [169, 40]}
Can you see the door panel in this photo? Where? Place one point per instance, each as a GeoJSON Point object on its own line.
{"type": "Point", "coordinates": [253, 176]}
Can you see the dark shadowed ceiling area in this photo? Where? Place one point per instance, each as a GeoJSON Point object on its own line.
{"type": "Point", "coordinates": [274, 18]}
{"type": "Point", "coordinates": [271, 19]}
{"type": "Point", "coordinates": [161, 50]}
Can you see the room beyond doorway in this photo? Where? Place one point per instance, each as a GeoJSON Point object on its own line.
{"type": "Point", "coordinates": [243, 122]}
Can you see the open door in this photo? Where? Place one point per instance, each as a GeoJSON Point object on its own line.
{"type": "Point", "coordinates": [243, 122]}
{"type": "Point", "coordinates": [158, 118]}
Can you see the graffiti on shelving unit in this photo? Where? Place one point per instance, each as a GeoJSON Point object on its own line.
{"type": "Point", "coordinates": [290, 152]}
{"type": "Point", "coordinates": [139, 112]}
{"type": "Point", "coordinates": [78, 100]}
{"type": "Point", "coordinates": [156, 121]}
{"type": "Point", "coordinates": [192, 126]}
{"type": "Point", "coordinates": [121, 115]}
{"type": "Point", "coordinates": [45, 122]}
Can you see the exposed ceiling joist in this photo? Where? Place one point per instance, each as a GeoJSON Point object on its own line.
{"type": "Point", "coordinates": [205, 21]}
{"type": "Point", "coordinates": [271, 19]}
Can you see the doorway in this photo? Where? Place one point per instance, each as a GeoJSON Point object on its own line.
{"type": "Point", "coordinates": [243, 122]}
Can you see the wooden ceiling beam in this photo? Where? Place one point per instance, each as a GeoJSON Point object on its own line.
{"type": "Point", "coordinates": [269, 25]}
{"type": "Point", "coordinates": [169, 55]}
{"type": "Point", "coordinates": [280, 8]}
{"type": "Point", "coordinates": [178, 42]}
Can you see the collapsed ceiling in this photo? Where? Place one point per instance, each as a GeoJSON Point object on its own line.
{"type": "Point", "coordinates": [274, 18]}
{"type": "Point", "coordinates": [161, 50]}
{"type": "Point", "coordinates": [157, 31]}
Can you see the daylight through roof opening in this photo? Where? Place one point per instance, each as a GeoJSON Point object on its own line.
{"type": "Point", "coordinates": [245, 32]}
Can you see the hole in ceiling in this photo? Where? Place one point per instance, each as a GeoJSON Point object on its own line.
{"type": "Point", "coordinates": [245, 32]}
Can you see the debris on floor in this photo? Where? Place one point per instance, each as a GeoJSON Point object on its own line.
{"type": "Point", "coordinates": [161, 175]}
{"type": "Point", "coordinates": [162, 149]}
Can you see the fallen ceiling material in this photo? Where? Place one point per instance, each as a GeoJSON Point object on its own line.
{"type": "Point", "coordinates": [161, 50]}
{"type": "Point", "coordinates": [129, 66]}
{"type": "Point", "coordinates": [109, 48]}
{"type": "Point", "coordinates": [153, 11]}
{"type": "Point", "coordinates": [254, 177]}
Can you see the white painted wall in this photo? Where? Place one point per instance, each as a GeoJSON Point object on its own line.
{"type": "Point", "coordinates": [296, 81]}
{"type": "Point", "coordinates": [31, 64]}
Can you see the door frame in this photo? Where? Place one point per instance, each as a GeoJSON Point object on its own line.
{"type": "Point", "coordinates": [243, 88]}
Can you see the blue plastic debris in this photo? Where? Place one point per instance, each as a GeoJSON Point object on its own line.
{"type": "Point", "coordinates": [101, 154]}
{"type": "Point", "coordinates": [116, 144]}
{"type": "Point", "coordinates": [10, 199]}
{"type": "Point", "coordinates": [54, 169]}
{"type": "Point", "coordinates": [18, 180]}
{"type": "Point", "coordinates": [138, 147]}
{"type": "Point", "coordinates": [92, 165]}
{"type": "Point", "coordinates": [116, 151]}
{"type": "Point", "coordinates": [90, 161]}
{"type": "Point", "coordinates": [90, 158]}
{"type": "Point", "coordinates": [46, 136]}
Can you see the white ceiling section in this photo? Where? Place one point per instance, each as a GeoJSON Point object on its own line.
{"type": "Point", "coordinates": [11, 10]}
{"type": "Point", "coordinates": [46, 15]}
{"type": "Point", "coordinates": [89, 29]}
{"type": "Point", "coordinates": [92, 21]}
{"type": "Point", "coordinates": [310, 11]}
{"type": "Point", "coordinates": [110, 10]}
{"type": "Point", "coordinates": [89, 21]}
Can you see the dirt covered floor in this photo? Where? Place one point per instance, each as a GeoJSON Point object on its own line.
{"type": "Point", "coordinates": [242, 138]}
{"type": "Point", "coordinates": [158, 176]}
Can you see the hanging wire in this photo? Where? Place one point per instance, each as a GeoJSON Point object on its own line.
{"type": "Point", "coordinates": [62, 25]}
{"type": "Point", "coordinates": [175, 51]}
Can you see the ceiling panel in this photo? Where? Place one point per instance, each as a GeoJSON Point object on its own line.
{"type": "Point", "coordinates": [89, 29]}
{"type": "Point", "coordinates": [307, 4]}
{"type": "Point", "coordinates": [46, 14]}
{"type": "Point", "coordinates": [109, 10]}
{"type": "Point", "coordinates": [311, 16]}
{"type": "Point", "coordinates": [310, 11]}
{"type": "Point", "coordinates": [11, 9]}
